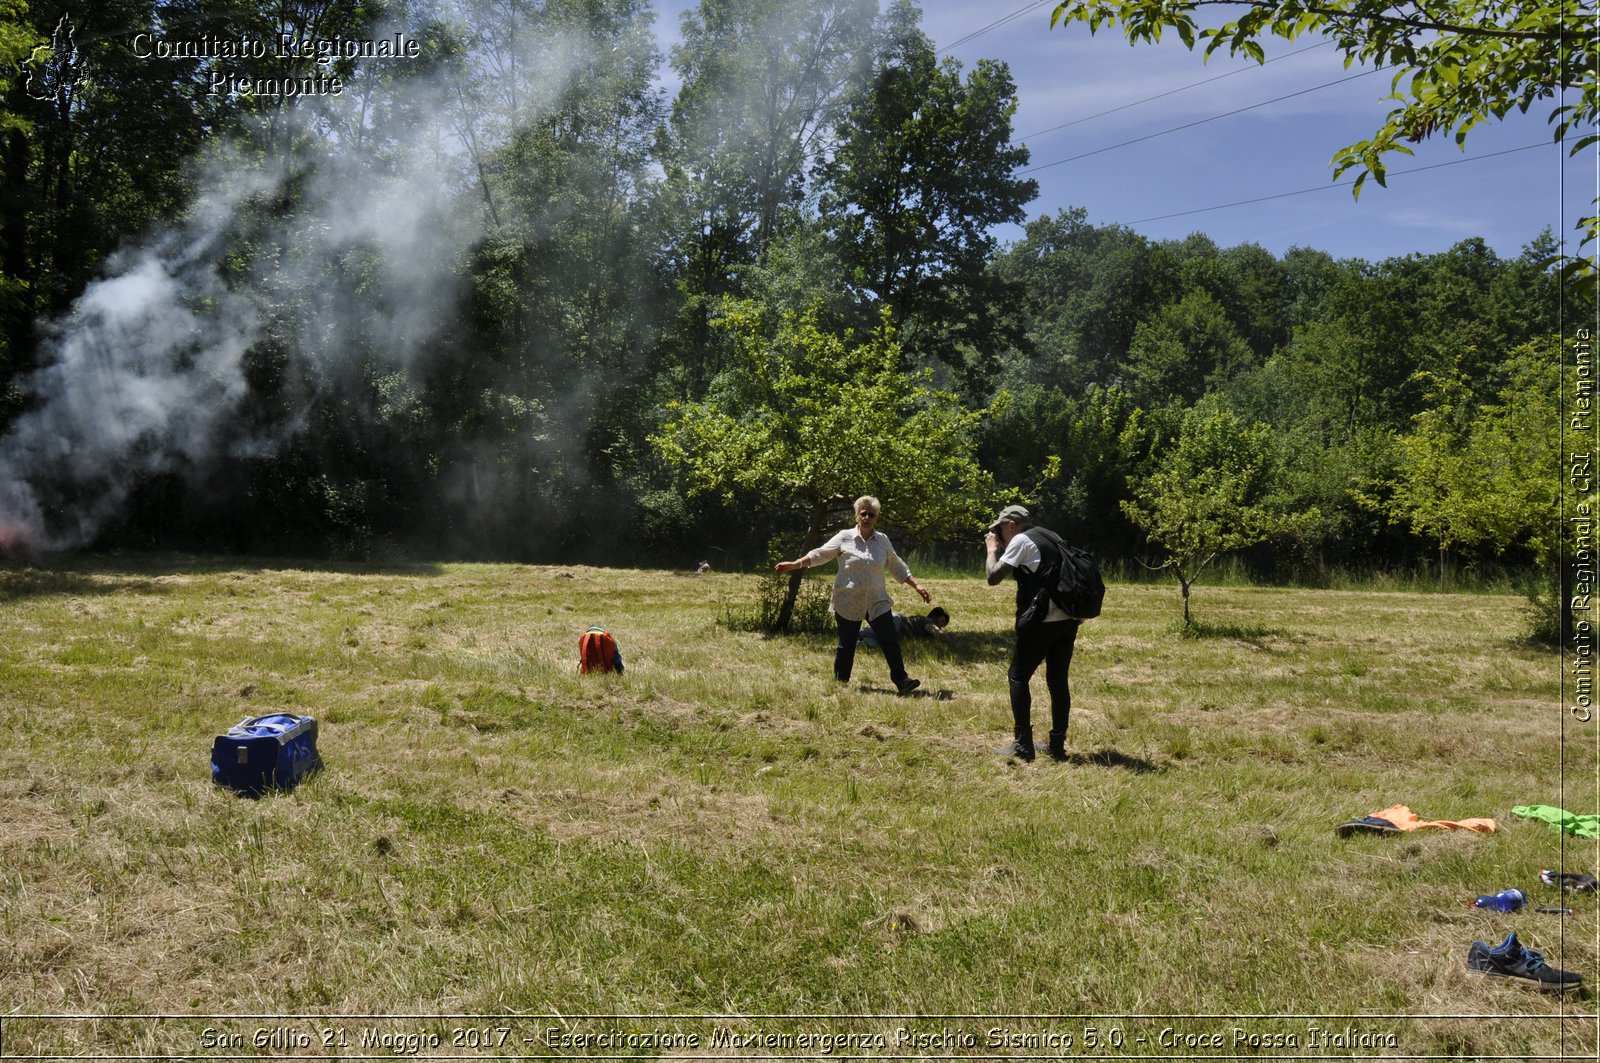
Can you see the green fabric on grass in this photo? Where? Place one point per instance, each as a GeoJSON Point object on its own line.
{"type": "Point", "coordinates": [1561, 819]}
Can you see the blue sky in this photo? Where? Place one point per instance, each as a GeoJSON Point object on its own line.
{"type": "Point", "coordinates": [1066, 74]}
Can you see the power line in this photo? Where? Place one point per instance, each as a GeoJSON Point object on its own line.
{"type": "Point", "coordinates": [1172, 92]}
{"type": "Point", "coordinates": [1338, 184]}
{"type": "Point", "coordinates": [996, 24]}
{"type": "Point", "coordinates": [1200, 122]}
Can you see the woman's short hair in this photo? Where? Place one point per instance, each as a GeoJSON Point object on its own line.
{"type": "Point", "coordinates": [870, 502]}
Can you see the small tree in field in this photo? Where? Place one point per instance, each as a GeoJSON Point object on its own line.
{"type": "Point", "coordinates": [814, 419]}
{"type": "Point", "coordinates": [1208, 491]}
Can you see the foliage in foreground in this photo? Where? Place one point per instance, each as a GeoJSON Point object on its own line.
{"type": "Point", "coordinates": [1457, 63]}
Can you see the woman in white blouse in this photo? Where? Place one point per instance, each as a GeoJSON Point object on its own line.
{"type": "Point", "coordinates": [860, 593]}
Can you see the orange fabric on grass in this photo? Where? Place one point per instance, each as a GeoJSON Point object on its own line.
{"type": "Point", "coordinates": [1405, 819]}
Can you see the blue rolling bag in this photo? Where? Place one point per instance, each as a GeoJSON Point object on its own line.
{"type": "Point", "coordinates": [261, 753]}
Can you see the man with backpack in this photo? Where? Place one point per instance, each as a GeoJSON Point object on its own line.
{"type": "Point", "coordinates": [1046, 632]}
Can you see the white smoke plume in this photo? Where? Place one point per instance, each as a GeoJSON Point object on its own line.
{"type": "Point", "coordinates": [147, 372]}
{"type": "Point", "coordinates": [136, 379]}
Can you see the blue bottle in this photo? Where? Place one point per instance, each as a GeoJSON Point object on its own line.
{"type": "Point", "coordinates": [1504, 901]}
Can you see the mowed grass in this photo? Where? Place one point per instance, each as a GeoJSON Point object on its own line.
{"type": "Point", "coordinates": [727, 831]}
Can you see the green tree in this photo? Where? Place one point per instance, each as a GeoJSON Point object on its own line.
{"type": "Point", "coordinates": [922, 168]}
{"type": "Point", "coordinates": [1211, 489]}
{"type": "Point", "coordinates": [18, 40]}
{"type": "Point", "coordinates": [1246, 282]}
{"type": "Point", "coordinates": [810, 419]}
{"type": "Point", "coordinates": [97, 142]}
{"type": "Point", "coordinates": [1255, 295]}
{"type": "Point", "coordinates": [764, 84]}
{"type": "Point", "coordinates": [1515, 450]}
{"type": "Point", "coordinates": [1484, 473]}
{"type": "Point", "coordinates": [1320, 395]}
{"type": "Point", "coordinates": [1456, 63]}
{"type": "Point", "coordinates": [1184, 349]}
{"type": "Point", "coordinates": [1064, 455]}
{"type": "Point", "coordinates": [539, 213]}
{"type": "Point", "coordinates": [1308, 275]}
{"type": "Point", "coordinates": [1084, 289]}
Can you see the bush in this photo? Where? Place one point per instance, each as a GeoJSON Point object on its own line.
{"type": "Point", "coordinates": [811, 615]}
{"type": "Point", "coordinates": [1544, 610]}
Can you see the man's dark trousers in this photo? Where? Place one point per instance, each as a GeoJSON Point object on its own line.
{"type": "Point", "coordinates": [1049, 644]}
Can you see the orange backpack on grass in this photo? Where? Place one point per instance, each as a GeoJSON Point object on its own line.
{"type": "Point", "coordinates": [597, 652]}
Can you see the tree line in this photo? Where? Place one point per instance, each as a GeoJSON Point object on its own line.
{"type": "Point", "coordinates": [510, 298]}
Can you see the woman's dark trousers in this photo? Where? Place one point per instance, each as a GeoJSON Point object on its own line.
{"type": "Point", "coordinates": [844, 654]}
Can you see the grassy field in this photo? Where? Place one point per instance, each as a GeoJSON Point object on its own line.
{"type": "Point", "coordinates": [738, 856]}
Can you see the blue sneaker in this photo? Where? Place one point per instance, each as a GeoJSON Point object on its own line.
{"type": "Point", "coordinates": [1511, 959]}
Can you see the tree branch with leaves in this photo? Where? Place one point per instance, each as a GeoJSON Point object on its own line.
{"type": "Point", "coordinates": [1457, 63]}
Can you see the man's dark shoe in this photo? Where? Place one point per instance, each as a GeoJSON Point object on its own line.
{"type": "Point", "coordinates": [1057, 749]}
{"type": "Point", "coordinates": [1511, 959]}
{"type": "Point", "coordinates": [1017, 749]}
{"type": "Point", "coordinates": [1570, 880]}
{"type": "Point", "coordinates": [908, 686]}
{"type": "Point", "coordinates": [1366, 825]}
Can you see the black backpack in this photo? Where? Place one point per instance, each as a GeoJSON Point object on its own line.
{"type": "Point", "coordinates": [1069, 577]}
